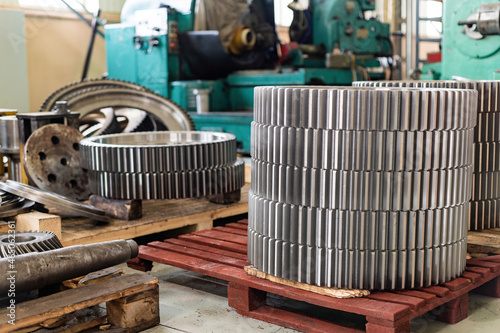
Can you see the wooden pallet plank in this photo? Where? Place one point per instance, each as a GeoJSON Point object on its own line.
{"type": "Point", "coordinates": [220, 244]}
{"type": "Point", "coordinates": [479, 270]}
{"type": "Point", "coordinates": [239, 226]}
{"type": "Point", "coordinates": [295, 320]}
{"type": "Point", "coordinates": [412, 302]}
{"type": "Point", "coordinates": [210, 249]}
{"type": "Point", "coordinates": [199, 254]}
{"type": "Point", "coordinates": [428, 297]}
{"type": "Point", "coordinates": [479, 242]}
{"type": "Point", "coordinates": [493, 266]}
{"type": "Point", "coordinates": [243, 233]}
{"type": "Point", "coordinates": [36, 311]}
{"type": "Point", "coordinates": [245, 222]}
{"type": "Point", "coordinates": [473, 277]}
{"type": "Point", "coordinates": [214, 234]}
{"type": "Point", "coordinates": [457, 284]}
{"type": "Point", "coordinates": [363, 306]}
{"type": "Point", "coordinates": [436, 290]}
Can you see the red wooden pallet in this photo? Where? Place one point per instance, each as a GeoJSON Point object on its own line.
{"type": "Point", "coordinates": [221, 253]}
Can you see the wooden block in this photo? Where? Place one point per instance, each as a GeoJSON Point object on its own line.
{"type": "Point", "coordinates": [4, 227]}
{"type": "Point", "coordinates": [119, 209]}
{"type": "Point", "coordinates": [245, 298]}
{"type": "Point", "coordinates": [376, 325]}
{"type": "Point", "coordinates": [436, 290]}
{"type": "Point", "coordinates": [134, 314]}
{"type": "Point", "coordinates": [140, 264]}
{"type": "Point", "coordinates": [248, 173]}
{"type": "Point", "coordinates": [456, 310]}
{"type": "Point", "coordinates": [332, 292]}
{"type": "Point", "coordinates": [457, 284]}
{"type": "Point", "coordinates": [36, 221]}
{"type": "Point", "coordinates": [490, 288]}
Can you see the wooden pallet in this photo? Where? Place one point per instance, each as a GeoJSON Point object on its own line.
{"type": "Point", "coordinates": [158, 216]}
{"type": "Point", "coordinates": [221, 253]}
{"type": "Point", "coordinates": [132, 305]}
{"type": "Point", "coordinates": [484, 242]}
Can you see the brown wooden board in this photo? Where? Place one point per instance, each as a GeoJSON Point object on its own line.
{"type": "Point", "coordinates": [158, 216]}
{"type": "Point", "coordinates": [47, 311]}
{"type": "Point", "coordinates": [484, 241]}
{"type": "Point", "coordinates": [384, 311]}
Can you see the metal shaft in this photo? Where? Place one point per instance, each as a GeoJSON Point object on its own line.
{"type": "Point", "coordinates": [36, 270]}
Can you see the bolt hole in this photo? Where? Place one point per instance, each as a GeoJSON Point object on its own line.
{"type": "Point", "coordinates": [52, 178]}
{"type": "Point", "coordinates": [64, 161]}
{"type": "Point", "coordinates": [73, 183]}
{"type": "Point", "coordinates": [55, 140]}
{"type": "Point", "coordinates": [85, 170]}
{"type": "Point", "coordinates": [42, 156]}
{"type": "Point", "coordinates": [76, 146]}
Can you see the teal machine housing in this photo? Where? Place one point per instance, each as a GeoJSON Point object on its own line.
{"type": "Point", "coordinates": [150, 57]}
{"type": "Point", "coordinates": [470, 43]}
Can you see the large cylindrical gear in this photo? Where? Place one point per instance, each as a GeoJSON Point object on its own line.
{"type": "Point", "coordinates": [486, 148]}
{"type": "Point", "coordinates": [363, 187]}
{"type": "Point", "coordinates": [163, 165]}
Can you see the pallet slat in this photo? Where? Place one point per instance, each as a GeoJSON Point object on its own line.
{"type": "Point", "coordinates": [215, 234]}
{"type": "Point", "coordinates": [219, 244]}
{"type": "Point", "coordinates": [231, 231]}
{"type": "Point", "coordinates": [210, 249]}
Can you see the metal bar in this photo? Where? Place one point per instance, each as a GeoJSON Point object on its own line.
{"type": "Point", "coordinates": [433, 40]}
{"type": "Point", "coordinates": [81, 17]}
{"type": "Point", "coordinates": [91, 45]}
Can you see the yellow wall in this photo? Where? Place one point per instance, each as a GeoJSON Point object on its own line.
{"type": "Point", "coordinates": [56, 46]}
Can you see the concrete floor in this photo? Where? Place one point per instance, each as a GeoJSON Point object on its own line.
{"type": "Point", "coordinates": [191, 302]}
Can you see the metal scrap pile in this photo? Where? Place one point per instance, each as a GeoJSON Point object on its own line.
{"type": "Point", "coordinates": [361, 187]}
{"type": "Point", "coordinates": [485, 203]}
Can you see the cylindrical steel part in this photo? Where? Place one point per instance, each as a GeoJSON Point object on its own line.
{"type": "Point", "coordinates": [9, 135]}
{"type": "Point", "coordinates": [364, 187]}
{"type": "Point", "coordinates": [36, 270]}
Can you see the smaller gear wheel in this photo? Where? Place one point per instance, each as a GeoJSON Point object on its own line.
{"type": "Point", "coordinates": [27, 242]}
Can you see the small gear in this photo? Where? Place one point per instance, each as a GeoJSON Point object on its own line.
{"type": "Point", "coordinates": [27, 242]}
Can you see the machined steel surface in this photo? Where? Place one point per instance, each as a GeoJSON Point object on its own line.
{"type": "Point", "coordinates": [36, 270]}
{"type": "Point", "coordinates": [363, 187]}
{"type": "Point", "coordinates": [52, 161]}
{"type": "Point", "coordinates": [169, 185]}
{"type": "Point", "coordinates": [53, 200]}
{"type": "Point", "coordinates": [27, 242]}
{"type": "Point", "coordinates": [362, 150]}
{"type": "Point", "coordinates": [357, 269]}
{"type": "Point", "coordinates": [486, 147]}
{"type": "Point", "coordinates": [9, 135]}
{"type": "Point", "coordinates": [12, 205]}
{"type": "Point", "coordinates": [352, 108]}
{"type": "Point", "coordinates": [355, 229]}
{"type": "Point", "coordinates": [488, 98]}
{"type": "Point", "coordinates": [158, 151]}
{"type": "Point", "coordinates": [163, 165]}
{"type": "Point", "coordinates": [362, 190]}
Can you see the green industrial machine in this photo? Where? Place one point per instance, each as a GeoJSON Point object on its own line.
{"type": "Point", "coordinates": [470, 43]}
{"type": "Point", "coordinates": [156, 46]}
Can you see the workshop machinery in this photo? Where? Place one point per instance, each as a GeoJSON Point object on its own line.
{"type": "Point", "coordinates": [214, 71]}
{"type": "Point", "coordinates": [470, 43]}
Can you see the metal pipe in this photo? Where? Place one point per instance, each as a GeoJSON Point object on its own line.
{"type": "Point", "coordinates": [81, 17]}
{"type": "Point", "coordinates": [95, 25]}
{"type": "Point", "coordinates": [36, 270]}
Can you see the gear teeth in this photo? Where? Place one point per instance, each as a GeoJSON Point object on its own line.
{"type": "Point", "coordinates": [486, 145]}
{"type": "Point", "coordinates": [362, 187]}
{"type": "Point", "coordinates": [28, 242]}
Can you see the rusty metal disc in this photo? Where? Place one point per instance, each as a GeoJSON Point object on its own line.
{"type": "Point", "coordinates": [52, 161]}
